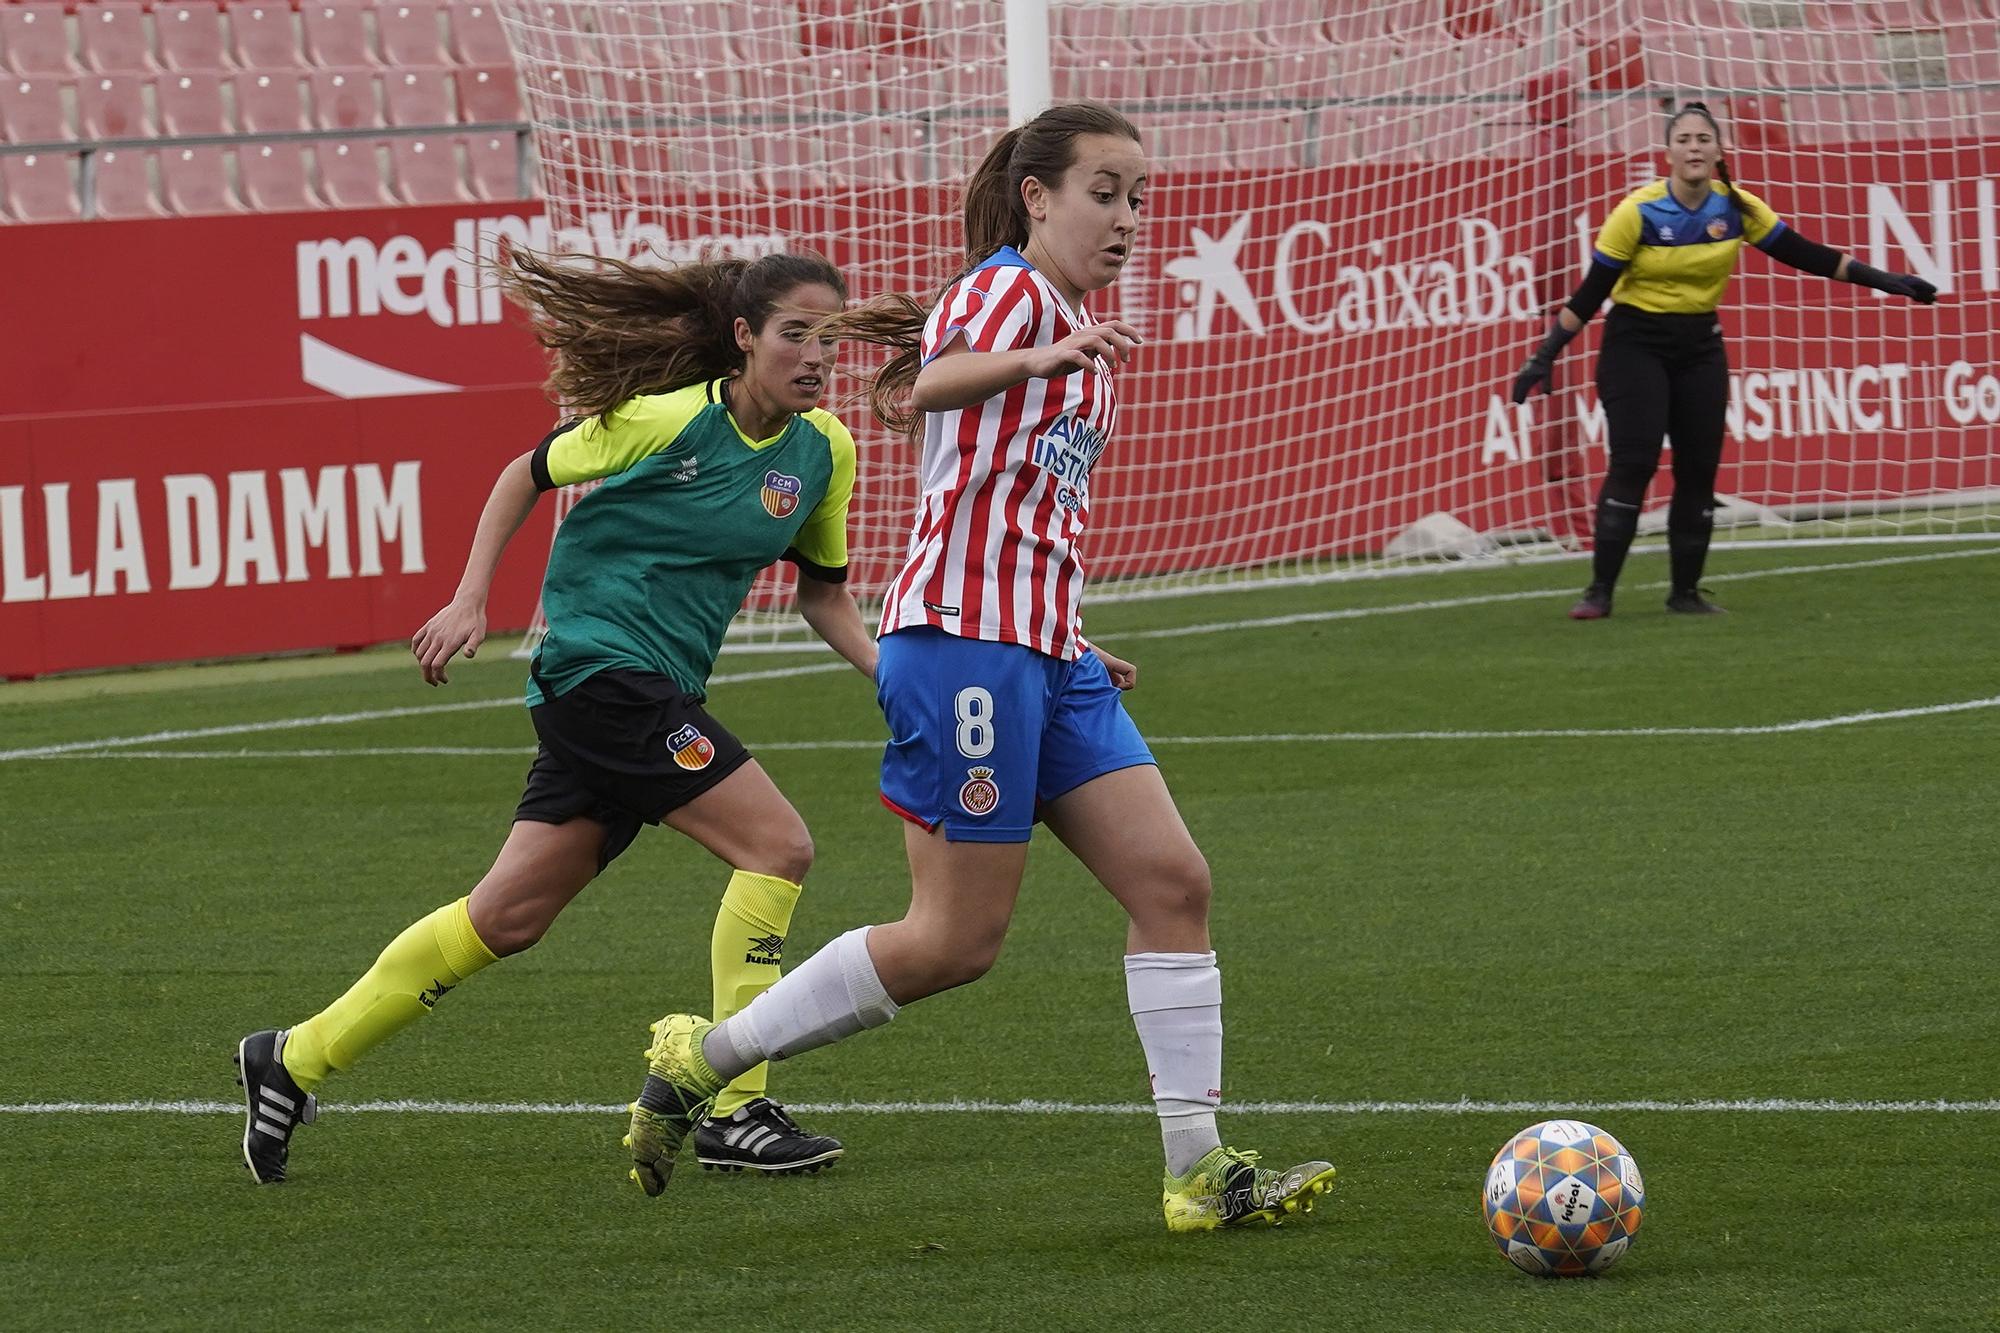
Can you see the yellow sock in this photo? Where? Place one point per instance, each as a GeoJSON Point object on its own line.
{"type": "Point", "coordinates": [411, 976]}
{"type": "Point", "coordinates": [745, 954]}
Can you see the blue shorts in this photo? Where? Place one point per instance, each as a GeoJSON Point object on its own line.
{"type": "Point", "coordinates": [980, 732]}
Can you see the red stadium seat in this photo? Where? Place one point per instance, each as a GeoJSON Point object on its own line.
{"type": "Point", "coordinates": [113, 36]}
{"type": "Point", "coordinates": [113, 106]}
{"type": "Point", "coordinates": [1161, 31]}
{"type": "Point", "coordinates": [420, 96]}
{"type": "Point", "coordinates": [1853, 60]}
{"type": "Point", "coordinates": [1090, 29]}
{"type": "Point", "coordinates": [1293, 25]}
{"type": "Point", "coordinates": [476, 35]}
{"type": "Point", "coordinates": [1419, 20]}
{"type": "Point", "coordinates": [190, 35]}
{"type": "Point", "coordinates": [40, 187]}
{"type": "Point", "coordinates": [274, 178]}
{"type": "Point", "coordinates": [1935, 114]}
{"type": "Point", "coordinates": [264, 37]}
{"type": "Point", "coordinates": [1596, 20]}
{"type": "Point", "coordinates": [833, 25]}
{"type": "Point", "coordinates": [718, 162]}
{"type": "Point", "coordinates": [427, 171]}
{"type": "Point", "coordinates": [1614, 64]}
{"type": "Point", "coordinates": [791, 164]}
{"type": "Point", "coordinates": [1430, 67]}
{"type": "Point", "coordinates": [350, 175]}
{"type": "Point", "coordinates": [412, 33]}
{"type": "Point", "coordinates": [195, 180]}
{"type": "Point", "coordinates": [1185, 142]}
{"type": "Point", "coordinates": [1953, 12]}
{"type": "Point", "coordinates": [1512, 140]}
{"type": "Point", "coordinates": [1758, 122]}
{"type": "Point", "coordinates": [1223, 25]}
{"type": "Point", "coordinates": [1675, 60]}
{"type": "Point", "coordinates": [488, 96]}
{"type": "Point", "coordinates": [1118, 84]}
{"type": "Point", "coordinates": [873, 153]}
{"type": "Point", "coordinates": [1306, 77]}
{"type": "Point", "coordinates": [33, 39]}
{"type": "Point", "coordinates": [1490, 64]}
{"type": "Point", "coordinates": [1355, 23]}
{"type": "Point", "coordinates": [1624, 127]}
{"type": "Point", "coordinates": [1845, 17]}
{"type": "Point", "coordinates": [1818, 118]}
{"type": "Point", "coordinates": [191, 103]}
{"type": "Point", "coordinates": [270, 103]}
{"type": "Point", "coordinates": [846, 83]}
{"type": "Point", "coordinates": [494, 162]}
{"type": "Point", "coordinates": [1267, 140]}
{"type": "Point", "coordinates": [123, 179]}
{"type": "Point", "coordinates": [31, 111]}
{"type": "Point", "coordinates": [1368, 69]}
{"type": "Point", "coordinates": [1449, 134]}
{"type": "Point", "coordinates": [1974, 64]}
{"type": "Point", "coordinates": [1897, 15]}
{"type": "Point", "coordinates": [336, 36]}
{"type": "Point", "coordinates": [346, 99]}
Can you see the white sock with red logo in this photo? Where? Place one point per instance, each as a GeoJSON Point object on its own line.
{"type": "Point", "coordinates": [1177, 1007]}
{"type": "Point", "coordinates": [833, 994]}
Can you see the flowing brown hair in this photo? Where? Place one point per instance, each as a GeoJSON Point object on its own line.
{"type": "Point", "coordinates": [617, 330]}
{"type": "Point", "coordinates": [995, 217]}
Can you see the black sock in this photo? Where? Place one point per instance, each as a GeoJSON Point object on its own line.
{"type": "Point", "coordinates": [1687, 549]}
{"type": "Point", "coordinates": [1617, 524]}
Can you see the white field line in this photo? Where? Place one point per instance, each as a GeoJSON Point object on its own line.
{"type": "Point", "coordinates": [1182, 631]}
{"type": "Point", "coordinates": [1247, 738]}
{"type": "Point", "coordinates": [366, 715]}
{"type": "Point", "coordinates": [1748, 1105]}
{"type": "Point", "coordinates": [1495, 598]}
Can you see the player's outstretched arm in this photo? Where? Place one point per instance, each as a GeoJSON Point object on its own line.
{"type": "Point", "coordinates": [1569, 322]}
{"type": "Point", "coordinates": [831, 611]}
{"type": "Point", "coordinates": [462, 623]}
{"type": "Point", "coordinates": [1808, 256]}
{"type": "Point", "coordinates": [958, 378]}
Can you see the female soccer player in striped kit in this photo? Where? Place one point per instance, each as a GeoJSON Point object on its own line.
{"type": "Point", "coordinates": [697, 391]}
{"type": "Point", "coordinates": [999, 712]}
{"type": "Point", "coordinates": [1664, 257]}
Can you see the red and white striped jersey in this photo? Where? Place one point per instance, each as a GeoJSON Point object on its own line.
{"type": "Point", "coordinates": [1006, 482]}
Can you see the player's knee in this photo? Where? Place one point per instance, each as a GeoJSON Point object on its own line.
{"type": "Point", "coordinates": [786, 853]}
{"type": "Point", "coordinates": [512, 927]}
{"type": "Point", "coordinates": [1186, 888]}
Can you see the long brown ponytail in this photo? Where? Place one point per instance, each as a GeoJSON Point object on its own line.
{"type": "Point", "coordinates": [618, 330]}
{"type": "Point", "coordinates": [995, 217]}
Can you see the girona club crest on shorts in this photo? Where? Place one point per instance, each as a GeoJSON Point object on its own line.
{"type": "Point", "coordinates": [980, 793]}
{"type": "Point", "coordinates": [691, 749]}
{"type": "Point", "coordinates": [781, 494]}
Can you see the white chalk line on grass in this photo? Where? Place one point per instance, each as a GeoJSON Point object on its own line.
{"type": "Point", "coordinates": [1247, 738]}
{"type": "Point", "coordinates": [1497, 598]}
{"type": "Point", "coordinates": [1182, 631]}
{"type": "Point", "coordinates": [365, 715]}
{"type": "Point", "coordinates": [1747, 1105]}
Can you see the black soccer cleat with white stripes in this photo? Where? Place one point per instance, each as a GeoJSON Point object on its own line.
{"type": "Point", "coordinates": [275, 1106]}
{"type": "Point", "coordinates": [759, 1136]}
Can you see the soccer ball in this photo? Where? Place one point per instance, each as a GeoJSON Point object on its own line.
{"type": "Point", "coordinates": [1563, 1199]}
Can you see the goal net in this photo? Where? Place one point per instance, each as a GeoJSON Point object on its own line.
{"type": "Point", "coordinates": [1360, 218]}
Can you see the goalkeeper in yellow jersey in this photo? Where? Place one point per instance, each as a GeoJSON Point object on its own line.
{"type": "Point", "coordinates": [698, 393]}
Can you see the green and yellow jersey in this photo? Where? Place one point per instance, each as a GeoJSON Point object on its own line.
{"type": "Point", "coordinates": [1676, 259]}
{"type": "Point", "coordinates": [649, 567]}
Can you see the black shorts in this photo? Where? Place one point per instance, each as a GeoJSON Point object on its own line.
{"type": "Point", "coordinates": [624, 748]}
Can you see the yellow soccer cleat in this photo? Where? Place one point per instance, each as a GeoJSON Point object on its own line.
{"type": "Point", "coordinates": [679, 1089]}
{"type": "Point", "coordinates": [1227, 1188]}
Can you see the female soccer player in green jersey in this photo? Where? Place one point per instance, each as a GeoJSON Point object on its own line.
{"type": "Point", "coordinates": [697, 395]}
{"type": "Point", "coordinates": [1664, 257]}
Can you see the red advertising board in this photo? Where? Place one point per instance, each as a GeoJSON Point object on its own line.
{"type": "Point", "coordinates": [264, 433]}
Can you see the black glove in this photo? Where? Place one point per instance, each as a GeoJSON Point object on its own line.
{"type": "Point", "coordinates": [1896, 284]}
{"type": "Point", "coordinates": [1542, 363]}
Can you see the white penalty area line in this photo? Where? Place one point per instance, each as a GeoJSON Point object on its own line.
{"type": "Point", "coordinates": [1247, 738]}
{"type": "Point", "coordinates": [86, 748]}
{"type": "Point", "coordinates": [1747, 1106]}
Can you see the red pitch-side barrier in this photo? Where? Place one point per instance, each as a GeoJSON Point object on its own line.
{"type": "Point", "coordinates": [257, 434]}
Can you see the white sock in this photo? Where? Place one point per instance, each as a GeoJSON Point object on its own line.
{"type": "Point", "coordinates": [1177, 1006]}
{"type": "Point", "coordinates": [833, 994]}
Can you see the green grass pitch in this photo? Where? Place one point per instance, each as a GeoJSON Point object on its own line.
{"type": "Point", "coordinates": [1549, 920]}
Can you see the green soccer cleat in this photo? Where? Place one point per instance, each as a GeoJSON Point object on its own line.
{"type": "Point", "coordinates": [679, 1089]}
{"type": "Point", "coordinates": [1227, 1188]}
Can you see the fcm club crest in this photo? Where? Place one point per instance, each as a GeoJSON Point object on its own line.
{"type": "Point", "coordinates": [691, 749]}
{"type": "Point", "coordinates": [980, 793]}
{"type": "Point", "coordinates": [781, 494]}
